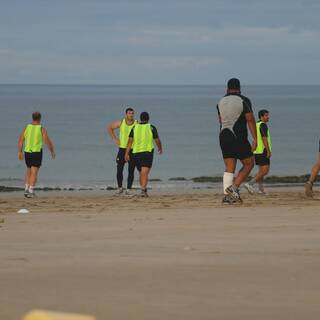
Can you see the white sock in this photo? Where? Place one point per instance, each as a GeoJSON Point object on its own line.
{"type": "Point", "coordinates": [26, 188]}
{"type": "Point", "coordinates": [252, 182]}
{"type": "Point", "coordinates": [227, 181]}
{"type": "Point", "coordinates": [31, 189]}
{"type": "Point", "coordinates": [261, 188]}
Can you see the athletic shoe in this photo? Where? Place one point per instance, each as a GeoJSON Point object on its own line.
{"type": "Point", "coordinates": [128, 193]}
{"type": "Point", "coordinates": [119, 192]}
{"type": "Point", "coordinates": [228, 200]}
{"type": "Point", "coordinates": [26, 193]}
{"type": "Point", "coordinates": [262, 192]}
{"type": "Point", "coordinates": [250, 188]}
{"type": "Point", "coordinates": [30, 195]}
{"type": "Point", "coordinates": [308, 189]}
{"type": "Point", "coordinates": [233, 192]}
{"type": "Point", "coordinates": [144, 193]}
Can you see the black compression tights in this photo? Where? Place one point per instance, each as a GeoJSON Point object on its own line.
{"type": "Point", "coordinates": [120, 167]}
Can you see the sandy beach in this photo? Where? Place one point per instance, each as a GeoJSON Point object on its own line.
{"type": "Point", "coordinates": [181, 256]}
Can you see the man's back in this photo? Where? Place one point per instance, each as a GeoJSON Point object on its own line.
{"type": "Point", "coordinates": [232, 109]}
{"type": "Point", "coordinates": [33, 138]}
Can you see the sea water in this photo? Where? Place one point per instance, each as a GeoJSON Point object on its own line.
{"type": "Point", "coordinates": [76, 117]}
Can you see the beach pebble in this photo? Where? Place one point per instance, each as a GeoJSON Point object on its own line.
{"type": "Point", "coordinates": [23, 210]}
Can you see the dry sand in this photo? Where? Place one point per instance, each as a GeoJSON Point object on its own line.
{"type": "Point", "coordinates": [182, 256]}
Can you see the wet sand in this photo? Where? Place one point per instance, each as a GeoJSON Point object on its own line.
{"type": "Point", "coordinates": [182, 256]}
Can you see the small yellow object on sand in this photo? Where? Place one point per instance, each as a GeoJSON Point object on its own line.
{"type": "Point", "coordinates": [50, 315]}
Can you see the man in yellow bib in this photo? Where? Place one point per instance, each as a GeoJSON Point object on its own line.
{"type": "Point", "coordinates": [141, 140]}
{"type": "Point", "coordinates": [32, 138]}
{"type": "Point", "coordinates": [125, 125]}
{"type": "Point", "coordinates": [262, 154]}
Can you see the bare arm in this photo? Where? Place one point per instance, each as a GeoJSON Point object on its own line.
{"type": "Point", "coordinates": [129, 147]}
{"type": "Point", "coordinates": [253, 129]}
{"type": "Point", "coordinates": [159, 145]}
{"type": "Point", "coordinates": [111, 131]}
{"type": "Point", "coordinates": [48, 142]}
{"type": "Point", "coordinates": [20, 145]}
{"type": "Point", "coordinates": [266, 145]}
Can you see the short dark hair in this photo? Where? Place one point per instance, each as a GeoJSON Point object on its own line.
{"type": "Point", "coordinates": [129, 109]}
{"type": "Point", "coordinates": [144, 116]}
{"type": "Point", "coordinates": [234, 83]}
{"type": "Point", "coordinates": [262, 112]}
{"type": "Point", "coordinates": [36, 116]}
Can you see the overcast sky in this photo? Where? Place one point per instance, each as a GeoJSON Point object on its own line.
{"type": "Point", "coordinates": [159, 42]}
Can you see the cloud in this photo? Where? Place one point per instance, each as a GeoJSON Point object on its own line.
{"type": "Point", "coordinates": [229, 34]}
{"type": "Point", "coordinates": [176, 62]}
{"type": "Point", "coordinates": [135, 41]}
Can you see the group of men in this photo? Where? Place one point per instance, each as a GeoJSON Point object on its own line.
{"type": "Point", "coordinates": [135, 143]}
{"type": "Point", "coordinates": [235, 115]}
{"type": "Point", "coordinates": [136, 147]}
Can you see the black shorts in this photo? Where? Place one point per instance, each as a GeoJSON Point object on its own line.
{"type": "Point", "coordinates": [33, 159]}
{"type": "Point", "coordinates": [262, 159]}
{"type": "Point", "coordinates": [120, 156]}
{"type": "Point", "coordinates": [233, 147]}
{"type": "Point", "coordinates": [143, 159]}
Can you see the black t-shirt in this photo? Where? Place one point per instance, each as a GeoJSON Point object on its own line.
{"type": "Point", "coordinates": [153, 128]}
{"type": "Point", "coordinates": [232, 109]}
{"type": "Point", "coordinates": [264, 130]}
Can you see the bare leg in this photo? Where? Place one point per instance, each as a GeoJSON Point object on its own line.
{"type": "Point", "coordinates": [27, 176]}
{"type": "Point", "coordinates": [34, 176]}
{"type": "Point", "coordinates": [262, 172]}
{"type": "Point", "coordinates": [314, 172]}
{"type": "Point", "coordinates": [313, 176]}
{"type": "Point", "coordinates": [27, 181]}
{"type": "Point", "coordinates": [144, 174]}
{"type": "Point", "coordinates": [247, 166]}
{"type": "Point", "coordinates": [230, 165]}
